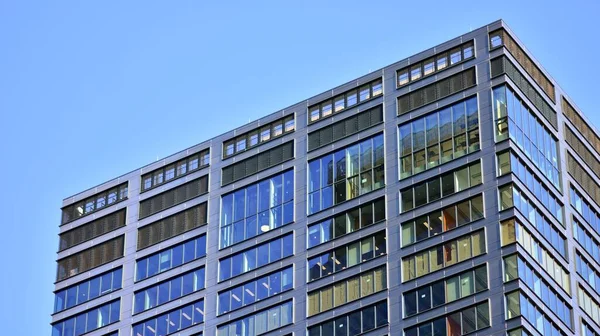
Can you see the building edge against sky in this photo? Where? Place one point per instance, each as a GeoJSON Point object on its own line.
{"type": "Point", "coordinates": [453, 192]}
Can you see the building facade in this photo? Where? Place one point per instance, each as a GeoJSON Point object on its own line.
{"type": "Point", "coordinates": [456, 191]}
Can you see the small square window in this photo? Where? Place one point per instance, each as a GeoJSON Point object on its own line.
{"type": "Point", "coordinates": [496, 39]}
{"type": "Point", "coordinates": [415, 72]}
{"type": "Point", "coordinates": [365, 93]}
{"type": "Point", "coordinates": [402, 77]}
{"type": "Point", "coordinates": [455, 56]}
{"type": "Point", "coordinates": [278, 129]}
{"type": "Point", "coordinates": [205, 159]}
{"type": "Point", "coordinates": [265, 134]}
{"type": "Point", "coordinates": [240, 145]}
{"type": "Point", "coordinates": [442, 62]}
{"type": "Point", "coordinates": [326, 108]}
{"type": "Point", "coordinates": [429, 67]}
{"type": "Point", "coordinates": [193, 163]}
{"type": "Point", "coordinates": [468, 51]}
{"type": "Point", "coordinates": [351, 98]}
{"type": "Point", "coordinates": [170, 172]}
{"type": "Point", "coordinates": [339, 103]}
{"type": "Point", "coordinates": [377, 88]}
{"type": "Point", "coordinates": [314, 114]}
{"type": "Point", "coordinates": [229, 148]}
{"type": "Point", "coordinates": [253, 139]}
{"type": "Point", "coordinates": [289, 125]}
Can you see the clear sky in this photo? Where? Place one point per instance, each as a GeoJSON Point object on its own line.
{"type": "Point", "coordinates": [90, 90]}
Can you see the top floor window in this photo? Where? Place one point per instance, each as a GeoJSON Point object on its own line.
{"type": "Point", "coordinates": [175, 170]}
{"type": "Point", "coordinates": [345, 100]}
{"type": "Point", "coordinates": [94, 203]}
{"type": "Point", "coordinates": [259, 135]}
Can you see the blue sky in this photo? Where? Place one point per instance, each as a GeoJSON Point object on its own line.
{"type": "Point", "coordinates": [90, 90]}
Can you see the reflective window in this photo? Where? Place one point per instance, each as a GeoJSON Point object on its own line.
{"type": "Point", "coordinates": [443, 220]}
{"type": "Point", "coordinates": [352, 97]}
{"type": "Point", "coordinates": [509, 162]}
{"type": "Point", "coordinates": [88, 321]}
{"type": "Point", "coordinates": [256, 257]}
{"type": "Point", "coordinates": [168, 290]}
{"type": "Point", "coordinates": [259, 135]}
{"type": "Point", "coordinates": [90, 258]}
{"type": "Point", "coordinates": [511, 196]}
{"type": "Point", "coordinates": [440, 186]}
{"type": "Point", "coordinates": [346, 174]}
{"type": "Point", "coordinates": [167, 259]}
{"type": "Point", "coordinates": [257, 209]}
{"type": "Point", "coordinates": [586, 330]}
{"type": "Point", "coordinates": [358, 322]}
{"type": "Point", "coordinates": [256, 290]}
{"type": "Point", "coordinates": [443, 255]}
{"type": "Point", "coordinates": [171, 322]}
{"type": "Point", "coordinates": [517, 304]}
{"type": "Point", "coordinates": [260, 322]}
{"type": "Point", "coordinates": [516, 267]}
{"type": "Point", "coordinates": [586, 239]}
{"type": "Point", "coordinates": [94, 203]}
{"type": "Point", "coordinates": [427, 67]}
{"type": "Point", "coordinates": [88, 290]}
{"type": "Point", "coordinates": [175, 170]}
{"type": "Point", "coordinates": [346, 222]}
{"type": "Point", "coordinates": [457, 323]}
{"type": "Point", "coordinates": [346, 256]}
{"type": "Point", "coordinates": [349, 290]}
{"type": "Point", "coordinates": [584, 208]}
{"type": "Point", "coordinates": [445, 291]}
{"type": "Point", "coordinates": [588, 272]}
{"type": "Point", "coordinates": [512, 231]}
{"type": "Point", "coordinates": [515, 120]}
{"type": "Point", "coordinates": [439, 137]}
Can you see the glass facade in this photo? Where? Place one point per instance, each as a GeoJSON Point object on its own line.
{"type": "Point", "coordinates": [261, 322]}
{"type": "Point", "coordinates": [256, 257]}
{"type": "Point", "coordinates": [257, 209]}
{"type": "Point", "coordinates": [345, 174]}
{"type": "Point", "coordinates": [468, 233]}
{"type": "Point", "coordinates": [169, 290]}
{"type": "Point", "coordinates": [445, 291]}
{"type": "Point", "coordinates": [347, 256]}
{"type": "Point", "coordinates": [440, 186]}
{"type": "Point", "coordinates": [359, 321]}
{"type": "Point", "coordinates": [172, 321]}
{"type": "Point", "coordinates": [86, 322]}
{"type": "Point", "coordinates": [514, 119]}
{"type": "Point", "coordinates": [458, 323]}
{"type": "Point", "coordinates": [438, 137]}
{"type": "Point", "coordinates": [256, 290]}
{"type": "Point", "coordinates": [442, 220]}
{"type": "Point", "coordinates": [88, 290]}
{"type": "Point", "coordinates": [174, 256]}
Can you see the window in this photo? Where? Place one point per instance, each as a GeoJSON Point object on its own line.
{"type": "Point", "coordinates": [583, 127]}
{"type": "Point", "coordinates": [445, 291]}
{"type": "Point", "coordinates": [88, 290]}
{"type": "Point", "coordinates": [259, 135]}
{"type": "Point", "coordinates": [457, 323]}
{"type": "Point", "coordinates": [512, 231]}
{"type": "Point", "coordinates": [168, 290]}
{"type": "Point", "coordinates": [335, 295]}
{"type": "Point", "coordinates": [256, 290]}
{"type": "Point", "coordinates": [360, 321]}
{"type": "Point", "coordinates": [518, 304]}
{"type": "Point", "coordinates": [94, 203]}
{"type": "Point", "coordinates": [347, 222]}
{"type": "Point", "coordinates": [256, 257]}
{"type": "Point", "coordinates": [443, 255]}
{"type": "Point", "coordinates": [583, 178]}
{"type": "Point", "coordinates": [88, 321]}
{"type": "Point", "coordinates": [444, 133]}
{"type": "Point", "coordinates": [171, 257]}
{"type": "Point", "coordinates": [257, 209]}
{"type": "Point", "coordinates": [184, 167]}
{"type": "Point", "coordinates": [334, 179]}
{"type": "Point", "coordinates": [516, 267]}
{"type": "Point", "coordinates": [337, 260]}
{"type": "Point", "coordinates": [438, 221]}
{"type": "Point", "coordinates": [354, 96]}
{"type": "Point", "coordinates": [173, 321]}
{"type": "Point", "coordinates": [511, 196]}
{"type": "Point", "coordinates": [543, 153]}
{"type": "Point", "coordinates": [259, 322]}
{"type": "Point", "coordinates": [428, 66]}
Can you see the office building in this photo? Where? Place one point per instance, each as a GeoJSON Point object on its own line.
{"type": "Point", "coordinates": [454, 192]}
